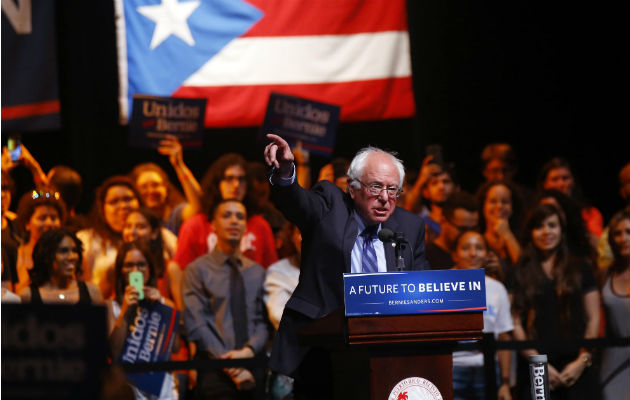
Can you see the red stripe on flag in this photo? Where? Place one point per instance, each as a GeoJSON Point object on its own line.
{"type": "Point", "coordinates": [325, 17]}
{"type": "Point", "coordinates": [31, 110]}
{"type": "Point", "coordinates": [359, 101]}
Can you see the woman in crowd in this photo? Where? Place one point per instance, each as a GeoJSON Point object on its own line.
{"type": "Point", "coordinates": [10, 238]}
{"type": "Point", "coordinates": [500, 207]}
{"type": "Point", "coordinates": [557, 174]}
{"type": "Point", "coordinates": [616, 298]}
{"type": "Point", "coordinates": [555, 299]}
{"type": "Point", "coordinates": [160, 195]}
{"type": "Point", "coordinates": [471, 251]}
{"type": "Point", "coordinates": [226, 179]}
{"type": "Point", "coordinates": [578, 237]}
{"type": "Point", "coordinates": [134, 256]}
{"type": "Point", "coordinates": [115, 199]}
{"type": "Point", "coordinates": [142, 224]}
{"type": "Point", "coordinates": [56, 265]}
{"type": "Point", "coordinates": [38, 212]}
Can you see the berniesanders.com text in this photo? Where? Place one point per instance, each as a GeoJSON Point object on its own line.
{"type": "Point", "coordinates": [415, 301]}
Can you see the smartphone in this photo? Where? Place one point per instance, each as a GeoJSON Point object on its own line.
{"type": "Point", "coordinates": [136, 279]}
{"type": "Point", "coordinates": [435, 150]}
{"type": "Point", "coordinates": [14, 144]}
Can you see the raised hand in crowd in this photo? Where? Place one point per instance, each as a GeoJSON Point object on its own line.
{"type": "Point", "coordinates": [26, 159]}
{"type": "Point", "coordinates": [427, 170]}
{"type": "Point", "coordinates": [171, 147]}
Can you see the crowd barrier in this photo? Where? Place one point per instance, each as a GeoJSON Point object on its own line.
{"type": "Point", "coordinates": [488, 345]}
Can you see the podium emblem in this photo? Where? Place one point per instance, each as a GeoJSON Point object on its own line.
{"type": "Point", "coordinates": [415, 388]}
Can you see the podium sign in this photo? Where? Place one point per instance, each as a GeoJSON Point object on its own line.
{"type": "Point", "coordinates": [415, 292]}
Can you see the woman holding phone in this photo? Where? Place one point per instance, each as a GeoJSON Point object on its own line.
{"type": "Point", "coordinates": [134, 260]}
{"type": "Point", "coordinates": [142, 224]}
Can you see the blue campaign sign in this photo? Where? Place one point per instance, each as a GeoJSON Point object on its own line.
{"type": "Point", "coordinates": [295, 118]}
{"type": "Point", "coordinates": [415, 292]}
{"type": "Point", "coordinates": [154, 117]}
{"type": "Point", "coordinates": [150, 338]}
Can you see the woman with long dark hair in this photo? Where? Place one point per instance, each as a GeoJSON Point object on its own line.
{"type": "Point", "coordinates": [557, 174]}
{"type": "Point", "coordinates": [56, 265]}
{"type": "Point", "coordinates": [38, 212]}
{"type": "Point", "coordinates": [135, 257]}
{"type": "Point", "coordinates": [499, 213]}
{"type": "Point", "coordinates": [115, 199]}
{"type": "Point", "coordinates": [555, 300]}
{"type": "Point", "coordinates": [142, 224]}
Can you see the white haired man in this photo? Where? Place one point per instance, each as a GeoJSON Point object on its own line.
{"type": "Point", "coordinates": [339, 234]}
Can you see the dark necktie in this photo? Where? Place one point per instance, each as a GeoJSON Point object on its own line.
{"type": "Point", "coordinates": [369, 261]}
{"type": "Point", "coordinates": [237, 304]}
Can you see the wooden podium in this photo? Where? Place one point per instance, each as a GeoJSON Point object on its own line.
{"type": "Point", "coordinates": [370, 355]}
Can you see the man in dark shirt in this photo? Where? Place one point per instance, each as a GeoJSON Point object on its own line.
{"type": "Point", "coordinates": [458, 215]}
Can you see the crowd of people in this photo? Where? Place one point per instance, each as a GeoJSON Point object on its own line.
{"type": "Point", "coordinates": [221, 253]}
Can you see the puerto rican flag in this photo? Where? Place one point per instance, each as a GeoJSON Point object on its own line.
{"type": "Point", "coordinates": [352, 53]}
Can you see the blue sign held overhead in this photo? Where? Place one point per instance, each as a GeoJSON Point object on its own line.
{"type": "Point", "coordinates": [311, 122]}
{"type": "Point", "coordinates": [415, 292]}
{"type": "Point", "coordinates": [155, 117]}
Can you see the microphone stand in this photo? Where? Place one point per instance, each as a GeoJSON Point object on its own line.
{"type": "Point", "coordinates": [398, 247]}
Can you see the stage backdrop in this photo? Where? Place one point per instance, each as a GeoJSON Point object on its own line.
{"type": "Point", "coordinates": [353, 53]}
{"type": "Point", "coordinates": [30, 90]}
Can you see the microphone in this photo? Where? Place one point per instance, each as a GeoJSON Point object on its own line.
{"type": "Point", "coordinates": [386, 236]}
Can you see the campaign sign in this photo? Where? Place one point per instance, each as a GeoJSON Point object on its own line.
{"type": "Point", "coordinates": [415, 292]}
{"type": "Point", "coordinates": [53, 351]}
{"type": "Point", "coordinates": [311, 122]}
{"type": "Point", "coordinates": [154, 117]}
{"type": "Point", "coordinates": [150, 338]}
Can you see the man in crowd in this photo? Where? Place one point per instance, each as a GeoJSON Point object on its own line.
{"type": "Point", "coordinates": [339, 232]}
{"type": "Point", "coordinates": [459, 213]}
{"type": "Point", "coordinates": [224, 312]}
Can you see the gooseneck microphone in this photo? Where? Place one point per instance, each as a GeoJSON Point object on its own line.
{"type": "Point", "coordinates": [398, 241]}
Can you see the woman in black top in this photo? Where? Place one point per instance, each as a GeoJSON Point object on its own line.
{"type": "Point", "coordinates": [555, 300]}
{"type": "Point", "coordinates": [56, 264]}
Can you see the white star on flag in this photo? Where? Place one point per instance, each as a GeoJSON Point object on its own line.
{"type": "Point", "coordinates": [170, 19]}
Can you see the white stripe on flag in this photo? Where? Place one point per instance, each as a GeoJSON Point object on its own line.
{"type": "Point", "coordinates": [307, 59]}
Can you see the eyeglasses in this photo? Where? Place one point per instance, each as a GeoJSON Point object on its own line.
{"type": "Point", "coordinates": [375, 189]}
{"type": "Point", "coordinates": [37, 194]}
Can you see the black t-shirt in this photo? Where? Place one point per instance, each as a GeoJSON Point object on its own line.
{"type": "Point", "coordinates": [438, 258]}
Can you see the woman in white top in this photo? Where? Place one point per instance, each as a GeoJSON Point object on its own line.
{"type": "Point", "coordinates": [115, 199]}
{"type": "Point", "coordinates": [471, 251]}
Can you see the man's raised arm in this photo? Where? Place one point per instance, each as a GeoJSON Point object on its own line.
{"type": "Point", "coordinates": [278, 155]}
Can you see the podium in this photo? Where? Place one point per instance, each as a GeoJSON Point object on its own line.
{"type": "Point", "coordinates": [372, 354]}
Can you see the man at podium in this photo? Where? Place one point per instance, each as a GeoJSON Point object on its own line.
{"type": "Point", "coordinates": [339, 235]}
